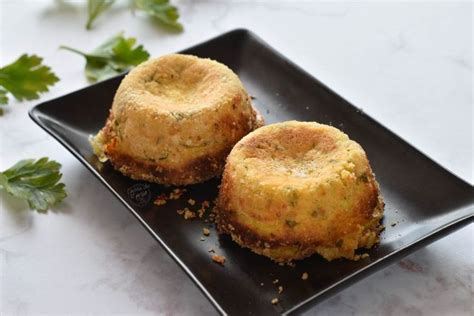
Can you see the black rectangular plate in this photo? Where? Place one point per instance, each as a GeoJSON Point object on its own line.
{"type": "Point", "coordinates": [425, 200]}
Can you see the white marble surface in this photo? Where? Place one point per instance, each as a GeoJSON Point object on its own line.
{"type": "Point", "coordinates": [407, 65]}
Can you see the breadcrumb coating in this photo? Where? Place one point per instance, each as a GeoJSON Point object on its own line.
{"type": "Point", "coordinates": [174, 119]}
{"type": "Point", "coordinates": [293, 189]}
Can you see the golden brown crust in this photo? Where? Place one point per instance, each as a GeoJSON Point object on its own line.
{"type": "Point", "coordinates": [174, 120]}
{"type": "Point", "coordinates": [289, 248]}
{"type": "Point", "coordinates": [197, 170]}
{"type": "Point", "coordinates": [293, 189]}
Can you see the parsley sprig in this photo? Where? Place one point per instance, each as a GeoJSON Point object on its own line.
{"type": "Point", "coordinates": [36, 182]}
{"type": "Point", "coordinates": [161, 10]}
{"type": "Point", "coordinates": [25, 78]}
{"type": "Point", "coordinates": [165, 13]}
{"type": "Point", "coordinates": [96, 8]}
{"type": "Point", "coordinates": [111, 58]}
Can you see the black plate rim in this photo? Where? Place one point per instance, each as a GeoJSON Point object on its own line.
{"type": "Point", "coordinates": [348, 280]}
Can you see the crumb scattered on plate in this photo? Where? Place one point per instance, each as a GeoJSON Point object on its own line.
{"type": "Point", "coordinates": [211, 217]}
{"type": "Point", "coordinates": [202, 209]}
{"type": "Point", "coordinates": [280, 289]}
{"type": "Point", "coordinates": [206, 231]}
{"type": "Point", "coordinates": [160, 200]}
{"type": "Point", "coordinates": [276, 281]}
{"type": "Point", "coordinates": [189, 214]}
{"type": "Point", "coordinates": [176, 193]}
{"type": "Point", "coordinates": [191, 202]}
{"type": "Point", "coordinates": [304, 276]}
{"type": "Point", "coordinates": [218, 259]}
{"type": "Point", "coordinates": [275, 301]}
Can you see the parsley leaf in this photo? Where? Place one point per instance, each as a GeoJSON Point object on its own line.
{"type": "Point", "coordinates": [113, 57]}
{"type": "Point", "coordinates": [96, 8]}
{"type": "Point", "coordinates": [25, 78]}
{"type": "Point", "coordinates": [162, 11]}
{"type": "Point", "coordinates": [36, 182]}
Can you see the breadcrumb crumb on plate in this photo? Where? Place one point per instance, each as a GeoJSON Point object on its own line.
{"type": "Point", "coordinates": [176, 193]}
{"type": "Point", "coordinates": [189, 214]}
{"type": "Point", "coordinates": [160, 200]}
{"type": "Point", "coordinates": [218, 259]}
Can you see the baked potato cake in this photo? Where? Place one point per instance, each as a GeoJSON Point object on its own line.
{"type": "Point", "coordinates": [174, 119]}
{"type": "Point", "coordinates": [293, 189]}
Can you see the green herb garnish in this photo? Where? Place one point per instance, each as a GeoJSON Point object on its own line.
{"type": "Point", "coordinates": [36, 182]}
{"type": "Point", "coordinates": [113, 57]}
{"type": "Point", "coordinates": [162, 11]}
{"type": "Point", "coordinates": [25, 78]}
{"type": "Point", "coordinates": [96, 8]}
